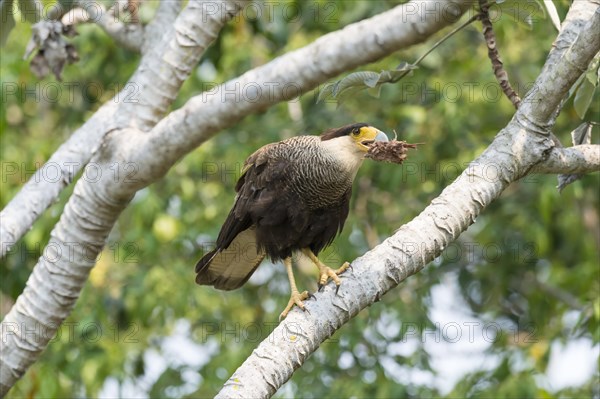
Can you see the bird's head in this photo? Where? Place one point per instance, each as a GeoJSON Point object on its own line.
{"type": "Point", "coordinates": [357, 136]}
{"type": "Point", "coordinates": [350, 143]}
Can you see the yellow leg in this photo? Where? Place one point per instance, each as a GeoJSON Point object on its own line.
{"type": "Point", "coordinates": [296, 298]}
{"type": "Point", "coordinates": [325, 272]}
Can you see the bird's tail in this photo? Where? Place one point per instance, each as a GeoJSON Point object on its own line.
{"type": "Point", "coordinates": [229, 268]}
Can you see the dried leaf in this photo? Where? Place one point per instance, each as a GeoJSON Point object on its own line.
{"type": "Point", "coordinates": [581, 135]}
{"type": "Point", "coordinates": [53, 50]}
{"type": "Point", "coordinates": [565, 180]}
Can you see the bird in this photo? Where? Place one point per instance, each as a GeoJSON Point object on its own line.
{"type": "Point", "coordinates": [292, 196]}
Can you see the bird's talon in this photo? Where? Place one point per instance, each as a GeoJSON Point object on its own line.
{"type": "Point", "coordinates": [337, 289]}
{"type": "Point", "coordinates": [296, 298]}
{"type": "Point", "coordinates": [320, 287]}
{"type": "Point", "coordinates": [327, 273]}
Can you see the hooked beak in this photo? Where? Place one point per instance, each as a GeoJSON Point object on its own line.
{"type": "Point", "coordinates": [379, 136]}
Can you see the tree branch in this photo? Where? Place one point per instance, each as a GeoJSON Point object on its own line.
{"type": "Point", "coordinates": [494, 56]}
{"type": "Point", "coordinates": [173, 57]}
{"type": "Point", "coordinates": [39, 193]}
{"type": "Point", "coordinates": [580, 159]}
{"type": "Point", "coordinates": [165, 16]}
{"type": "Point", "coordinates": [161, 74]}
{"type": "Point", "coordinates": [514, 152]}
{"type": "Point", "coordinates": [53, 287]}
{"type": "Point", "coordinates": [130, 36]}
{"type": "Point", "coordinates": [294, 73]}
{"type": "Point", "coordinates": [539, 113]}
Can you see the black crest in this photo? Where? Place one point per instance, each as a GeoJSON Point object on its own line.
{"type": "Point", "coordinates": [341, 131]}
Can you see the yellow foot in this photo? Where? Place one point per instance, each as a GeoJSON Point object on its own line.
{"type": "Point", "coordinates": [326, 273]}
{"type": "Point", "coordinates": [296, 298]}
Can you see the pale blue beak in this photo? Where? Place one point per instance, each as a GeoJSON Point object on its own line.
{"type": "Point", "coordinates": [381, 136]}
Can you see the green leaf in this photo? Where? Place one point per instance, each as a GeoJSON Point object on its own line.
{"type": "Point", "coordinates": [364, 80]}
{"type": "Point", "coordinates": [583, 97]}
{"type": "Point", "coordinates": [405, 66]}
{"type": "Point", "coordinates": [358, 79]}
{"type": "Point", "coordinates": [354, 83]}
{"type": "Point", "coordinates": [593, 71]}
{"type": "Point", "coordinates": [328, 92]}
{"type": "Point", "coordinates": [8, 20]}
{"type": "Point", "coordinates": [396, 74]}
{"type": "Point", "coordinates": [374, 91]}
{"type": "Point", "coordinates": [575, 86]}
{"type": "Point", "coordinates": [348, 92]}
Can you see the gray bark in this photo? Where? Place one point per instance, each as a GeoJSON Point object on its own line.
{"type": "Point", "coordinates": [135, 135]}
{"type": "Point", "coordinates": [174, 52]}
{"type": "Point", "coordinates": [521, 146]}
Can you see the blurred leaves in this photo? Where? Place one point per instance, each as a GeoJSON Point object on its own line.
{"type": "Point", "coordinates": [28, 11]}
{"type": "Point", "coordinates": [8, 20]}
{"type": "Point", "coordinates": [524, 12]}
{"type": "Point", "coordinates": [143, 284]}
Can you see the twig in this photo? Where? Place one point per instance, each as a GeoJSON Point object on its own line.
{"type": "Point", "coordinates": [436, 45]}
{"type": "Point", "coordinates": [497, 64]}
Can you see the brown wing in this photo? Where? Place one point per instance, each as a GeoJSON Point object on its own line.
{"type": "Point", "coordinates": [229, 268]}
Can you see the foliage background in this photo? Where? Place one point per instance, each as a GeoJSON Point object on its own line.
{"type": "Point", "coordinates": [143, 328]}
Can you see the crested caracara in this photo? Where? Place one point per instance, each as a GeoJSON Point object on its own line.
{"type": "Point", "coordinates": [293, 195]}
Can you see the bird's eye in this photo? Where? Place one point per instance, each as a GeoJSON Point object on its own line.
{"type": "Point", "coordinates": [355, 132]}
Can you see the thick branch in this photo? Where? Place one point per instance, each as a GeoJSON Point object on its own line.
{"type": "Point", "coordinates": [63, 280]}
{"type": "Point", "coordinates": [39, 193]}
{"type": "Point", "coordinates": [514, 152]}
{"type": "Point", "coordinates": [60, 274]}
{"type": "Point", "coordinates": [165, 68]}
{"type": "Point", "coordinates": [295, 73]}
{"type": "Point", "coordinates": [562, 66]}
{"type": "Point", "coordinates": [378, 271]}
{"type": "Point", "coordinates": [580, 159]}
{"type": "Point", "coordinates": [172, 57]}
{"type": "Point", "coordinates": [165, 16]}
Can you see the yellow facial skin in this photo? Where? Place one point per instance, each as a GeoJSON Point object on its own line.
{"type": "Point", "coordinates": [367, 135]}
